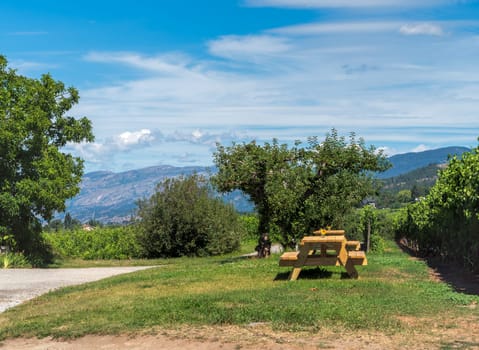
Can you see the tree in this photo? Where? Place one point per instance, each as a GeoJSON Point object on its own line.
{"type": "Point", "coordinates": [183, 218]}
{"type": "Point", "coordinates": [404, 196]}
{"type": "Point", "coordinates": [70, 223]}
{"type": "Point", "coordinates": [36, 177]}
{"type": "Point", "coordinates": [54, 225]}
{"type": "Point", "coordinates": [298, 189]}
{"type": "Point", "coordinates": [95, 223]}
{"type": "Point", "coordinates": [255, 169]}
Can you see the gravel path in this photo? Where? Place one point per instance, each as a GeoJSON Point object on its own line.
{"type": "Point", "coordinates": [18, 285]}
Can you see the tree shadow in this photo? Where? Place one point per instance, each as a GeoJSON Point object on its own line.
{"type": "Point", "coordinates": [453, 274]}
{"type": "Point", "coordinates": [461, 280]}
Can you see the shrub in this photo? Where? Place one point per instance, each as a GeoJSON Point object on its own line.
{"type": "Point", "coordinates": [250, 223]}
{"type": "Point", "coordinates": [13, 260]}
{"type": "Point", "coordinates": [100, 243]}
{"type": "Point", "coordinates": [183, 218]}
{"type": "Point", "coordinates": [382, 224]}
{"type": "Point", "coordinates": [378, 244]}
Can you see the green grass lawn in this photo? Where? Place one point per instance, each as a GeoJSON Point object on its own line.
{"type": "Point", "coordinates": [80, 263]}
{"type": "Point", "coordinates": [236, 291]}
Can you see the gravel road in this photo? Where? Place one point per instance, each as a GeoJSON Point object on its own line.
{"type": "Point", "coordinates": [18, 285]}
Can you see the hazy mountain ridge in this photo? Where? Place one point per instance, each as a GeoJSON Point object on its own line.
{"type": "Point", "coordinates": [406, 162]}
{"type": "Point", "coordinates": [425, 176]}
{"type": "Point", "coordinates": [112, 197]}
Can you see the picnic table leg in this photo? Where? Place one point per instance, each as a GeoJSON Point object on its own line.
{"type": "Point", "coordinates": [293, 276]}
{"type": "Point", "coordinates": [302, 256]}
{"type": "Point", "coordinates": [351, 270]}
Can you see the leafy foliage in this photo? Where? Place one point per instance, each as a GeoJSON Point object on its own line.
{"type": "Point", "coordinates": [35, 176]}
{"type": "Point", "coordinates": [446, 222]}
{"type": "Point", "coordinates": [250, 223]}
{"type": "Point", "coordinates": [100, 243]}
{"type": "Point", "coordinates": [298, 189]}
{"type": "Point", "coordinates": [381, 222]}
{"type": "Point", "coordinates": [68, 223]}
{"type": "Point", "coordinates": [182, 218]}
{"type": "Point", "coordinates": [13, 260]}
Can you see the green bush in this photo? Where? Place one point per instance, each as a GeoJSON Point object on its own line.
{"type": "Point", "coordinates": [382, 224]}
{"type": "Point", "coordinates": [100, 243]}
{"type": "Point", "coordinates": [250, 223]}
{"type": "Point", "coordinates": [183, 218]}
{"type": "Point", "coordinates": [13, 260]}
{"type": "Point", "coordinates": [378, 244]}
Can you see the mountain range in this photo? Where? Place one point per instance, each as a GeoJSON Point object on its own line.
{"type": "Point", "coordinates": [406, 162]}
{"type": "Point", "coordinates": [111, 197]}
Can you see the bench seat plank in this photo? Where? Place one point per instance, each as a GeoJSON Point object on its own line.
{"type": "Point", "coordinates": [289, 256]}
{"type": "Point", "coordinates": [353, 245]}
{"type": "Point", "coordinates": [357, 257]}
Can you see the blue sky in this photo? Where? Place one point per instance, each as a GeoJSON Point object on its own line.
{"type": "Point", "coordinates": [163, 81]}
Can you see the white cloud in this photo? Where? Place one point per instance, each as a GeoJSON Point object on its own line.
{"type": "Point", "coordinates": [421, 29]}
{"type": "Point", "coordinates": [300, 84]}
{"type": "Point", "coordinates": [343, 3]}
{"type": "Point", "coordinates": [197, 134]}
{"type": "Point", "coordinates": [171, 64]}
{"type": "Point", "coordinates": [421, 148]}
{"type": "Point", "coordinates": [111, 152]}
{"type": "Point", "coordinates": [231, 46]}
{"type": "Point", "coordinates": [337, 27]}
{"type": "Point", "coordinates": [24, 66]}
{"type": "Point", "coordinates": [132, 138]}
{"type": "Point", "coordinates": [202, 137]}
{"type": "Point", "coordinates": [126, 141]}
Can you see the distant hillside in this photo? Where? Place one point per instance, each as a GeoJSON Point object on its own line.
{"type": "Point", "coordinates": [418, 182]}
{"type": "Point", "coordinates": [112, 197]}
{"type": "Point", "coordinates": [404, 163]}
{"type": "Point", "coordinates": [423, 177]}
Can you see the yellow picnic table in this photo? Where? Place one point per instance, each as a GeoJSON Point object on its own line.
{"type": "Point", "coordinates": [331, 249]}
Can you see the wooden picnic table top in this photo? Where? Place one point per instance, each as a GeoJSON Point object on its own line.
{"type": "Point", "coordinates": [323, 239]}
{"type": "Point", "coordinates": [328, 232]}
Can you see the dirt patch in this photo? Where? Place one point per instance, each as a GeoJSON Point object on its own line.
{"type": "Point", "coordinates": [454, 334]}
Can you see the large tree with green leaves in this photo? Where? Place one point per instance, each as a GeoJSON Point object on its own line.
{"type": "Point", "coordinates": [297, 189]}
{"type": "Point", "coordinates": [36, 177]}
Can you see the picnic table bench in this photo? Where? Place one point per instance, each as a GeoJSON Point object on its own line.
{"type": "Point", "coordinates": [325, 250]}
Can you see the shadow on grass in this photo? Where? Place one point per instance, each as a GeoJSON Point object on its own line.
{"type": "Point", "coordinates": [459, 345]}
{"type": "Point", "coordinates": [457, 277]}
{"type": "Point", "coordinates": [461, 280]}
{"type": "Point", "coordinates": [310, 274]}
{"type": "Point", "coordinates": [238, 258]}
